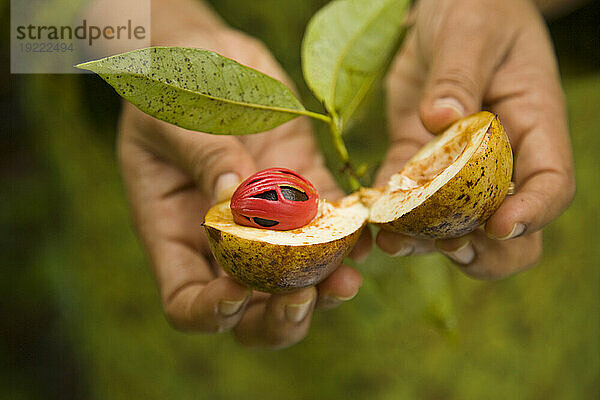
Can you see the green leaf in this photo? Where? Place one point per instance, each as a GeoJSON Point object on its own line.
{"type": "Point", "coordinates": [347, 47]}
{"type": "Point", "coordinates": [199, 90]}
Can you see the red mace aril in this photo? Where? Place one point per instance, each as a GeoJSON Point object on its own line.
{"type": "Point", "coordinates": [275, 198]}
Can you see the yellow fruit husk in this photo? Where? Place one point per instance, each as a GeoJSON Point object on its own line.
{"type": "Point", "coordinates": [455, 193]}
{"type": "Point", "coordinates": [279, 261]}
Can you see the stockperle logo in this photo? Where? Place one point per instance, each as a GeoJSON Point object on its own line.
{"type": "Point", "coordinates": [83, 31]}
{"type": "Point", "coordinates": [51, 36]}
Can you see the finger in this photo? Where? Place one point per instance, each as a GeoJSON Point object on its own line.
{"type": "Point", "coordinates": [212, 307]}
{"type": "Point", "coordinates": [399, 152]}
{"type": "Point", "coordinates": [281, 321]}
{"type": "Point", "coordinates": [363, 246]}
{"type": "Point", "coordinates": [403, 85]}
{"type": "Point", "coordinates": [167, 208]}
{"type": "Point", "coordinates": [341, 286]}
{"type": "Point", "coordinates": [292, 146]}
{"type": "Point", "coordinates": [398, 245]}
{"type": "Point", "coordinates": [483, 258]}
{"type": "Point", "coordinates": [536, 203]}
{"type": "Point", "coordinates": [217, 164]}
{"type": "Point", "coordinates": [527, 95]}
{"type": "Point", "coordinates": [465, 52]}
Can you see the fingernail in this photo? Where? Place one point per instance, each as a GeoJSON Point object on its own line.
{"type": "Point", "coordinates": [397, 249]}
{"type": "Point", "coordinates": [330, 301]}
{"type": "Point", "coordinates": [297, 312]}
{"type": "Point", "coordinates": [228, 307]}
{"type": "Point", "coordinates": [336, 298]}
{"type": "Point", "coordinates": [345, 298]}
{"type": "Point", "coordinates": [225, 185]}
{"type": "Point", "coordinates": [462, 255]}
{"type": "Point", "coordinates": [404, 251]}
{"type": "Point", "coordinates": [517, 230]}
{"type": "Point", "coordinates": [451, 103]}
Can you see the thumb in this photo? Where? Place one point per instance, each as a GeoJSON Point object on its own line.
{"type": "Point", "coordinates": [217, 164]}
{"type": "Point", "coordinates": [462, 61]}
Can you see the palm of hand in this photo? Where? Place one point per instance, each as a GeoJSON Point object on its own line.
{"type": "Point", "coordinates": [455, 62]}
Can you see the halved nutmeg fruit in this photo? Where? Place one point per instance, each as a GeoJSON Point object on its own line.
{"type": "Point", "coordinates": [451, 186]}
{"type": "Point", "coordinates": [278, 261]}
{"type": "Point", "coordinates": [273, 238]}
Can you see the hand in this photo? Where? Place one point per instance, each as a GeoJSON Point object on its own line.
{"type": "Point", "coordinates": [172, 176]}
{"type": "Point", "coordinates": [460, 56]}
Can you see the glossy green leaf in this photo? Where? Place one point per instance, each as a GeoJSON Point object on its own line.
{"type": "Point", "coordinates": [199, 90]}
{"type": "Point", "coordinates": [347, 47]}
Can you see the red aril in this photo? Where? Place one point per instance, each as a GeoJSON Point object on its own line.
{"type": "Point", "coordinates": [275, 198]}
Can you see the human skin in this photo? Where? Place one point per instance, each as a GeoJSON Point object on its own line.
{"type": "Point", "coordinates": [462, 56]}
{"type": "Point", "coordinates": [172, 176]}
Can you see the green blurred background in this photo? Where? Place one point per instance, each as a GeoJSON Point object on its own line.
{"type": "Point", "coordinates": [81, 316]}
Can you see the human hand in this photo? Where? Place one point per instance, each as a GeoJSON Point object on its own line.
{"type": "Point", "coordinates": [460, 56]}
{"type": "Point", "coordinates": [172, 176]}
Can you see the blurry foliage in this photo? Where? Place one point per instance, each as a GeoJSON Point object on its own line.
{"type": "Point", "coordinates": [82, 318]}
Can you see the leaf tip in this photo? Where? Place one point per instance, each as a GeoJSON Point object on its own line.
{"type": "Point", "coordinates": [84, 66]}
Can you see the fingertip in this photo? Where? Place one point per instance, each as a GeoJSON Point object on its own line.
{"type": "Point", "coordinates": [293, 307]}
{"type": "Point", "coordinates": [281, 321]}
{"type": "Point", "coordinates": [541, 196]}
{"type": "Point", "coordinates": [224, 296]}
{"type": "Point", "coordinates": [341, 286]}
{"type": "Point", "coordinates": [381, 180]}
{"type": "Point", "coordinates": [213, 307]}
{"type": "Point", "coordinates": [517, 230]}
{"type": "Point", "coordinates": [506, 222]}
{"type": "Point", "coordinates": [459, 250]}
{"type": "Point", "coordinates": [225, 186]}
{"type": "Point", "coordinates": [344, 282]}
{"type": "Point", "coordinates": [298, 311]}
{"type": "Point", "coordinates": [499, 259]}
{"type": "Point", "coordinates": [438, 114]}
{"type": "Point", "coordinates": [394, 244]}
{"type": "Point", "coordinates": [363, 246]}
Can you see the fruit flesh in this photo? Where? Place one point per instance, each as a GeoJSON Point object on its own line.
{"type": "Point", "coordinates": [421, 171]}
{"type": "Point", "coordinates": [334, 222]}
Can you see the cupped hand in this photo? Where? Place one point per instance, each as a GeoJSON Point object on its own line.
{"type": "Point", "coordinates": [459, 57]}
{"type": "Point", "coordinates": [172, 176]}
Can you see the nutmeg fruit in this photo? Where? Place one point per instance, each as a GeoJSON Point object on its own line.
{"type": "Point", "coordinates": [446, 190]}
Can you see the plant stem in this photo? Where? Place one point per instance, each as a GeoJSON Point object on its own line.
{"type": "Point", "coordinates": [315, 115]}
{"type": "Point", "coordinates": [340, 147]}
{"type": "Point", "coordinates": [335, 128]}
